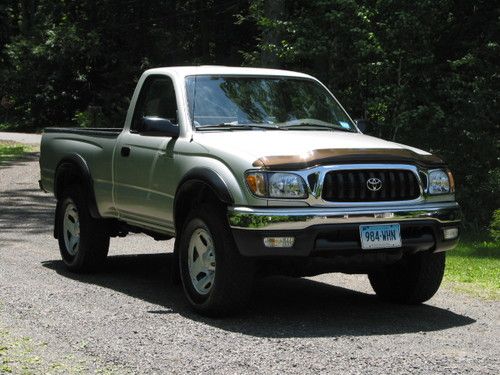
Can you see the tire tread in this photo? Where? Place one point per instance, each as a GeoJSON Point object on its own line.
{"type": "Point", "coordinates": [234, 273]}
{"type": "Point", "coordinates": [94, 238]}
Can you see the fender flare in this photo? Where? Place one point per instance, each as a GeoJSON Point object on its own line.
{"type": "Point", "coordinates": [208, 177]}
{"type": "Point", "coordinates": [77, 163]}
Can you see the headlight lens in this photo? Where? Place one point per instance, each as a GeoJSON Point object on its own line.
{"type": "Point", "coordinates": [276, 185]}
{"type": "Point", "coordinates": [286, 185]}
{"type": "Point", "coordinates": [439, 182]}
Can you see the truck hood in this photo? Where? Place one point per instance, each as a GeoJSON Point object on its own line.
{"type": "Point", "coordinates": [274, 149]}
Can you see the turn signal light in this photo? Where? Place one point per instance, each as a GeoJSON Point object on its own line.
{"type": "Point", "coordinates": [257, 184]}
{"type": "Point", "coordinates": [452, 181]}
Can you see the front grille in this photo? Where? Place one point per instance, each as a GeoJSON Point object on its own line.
{"type": "Point", "coordinates": [353, 185]}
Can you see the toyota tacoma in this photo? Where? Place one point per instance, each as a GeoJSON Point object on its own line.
{"type": "Point", "coordinates": [255, 172]}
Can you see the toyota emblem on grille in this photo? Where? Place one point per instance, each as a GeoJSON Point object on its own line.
{"type": "Point", "coordinates": [374, 184]}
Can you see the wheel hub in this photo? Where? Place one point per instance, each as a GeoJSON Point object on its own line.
{"type": "Point", "coordinates": [201, 260]}
{"type": "Point", "coordinates": [71, 229]}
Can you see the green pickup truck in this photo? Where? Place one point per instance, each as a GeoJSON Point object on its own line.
{"type": "Point", "coordinates": [255, 172]}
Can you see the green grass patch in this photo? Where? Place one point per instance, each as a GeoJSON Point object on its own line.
{"type": "Point", "coordinates": [11, 151]}
{"type": "Point", "coordinates": [474, 267]}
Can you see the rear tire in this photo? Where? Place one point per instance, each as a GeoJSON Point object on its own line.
{"type": "Point", "coordinates": [217, 280]}
{"type": "Point", "coordinates": [413, 280]}
{"type": "Point", "coordinates": [83, 240]}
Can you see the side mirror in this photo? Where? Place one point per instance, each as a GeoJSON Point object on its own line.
{"type": "Point", "coordinates": [151, 125]}
{"type": "Point", "coordinates": [366, 126]}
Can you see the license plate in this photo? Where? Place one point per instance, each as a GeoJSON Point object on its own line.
{"type": "Point", "coordinates": [380, 236]}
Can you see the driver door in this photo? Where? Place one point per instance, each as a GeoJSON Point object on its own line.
{"type": "Point", "coordinates": [139, 156]}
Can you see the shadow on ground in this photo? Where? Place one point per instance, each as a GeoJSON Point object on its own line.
{"type": "Point", "coordinates": [281, 307]}
{"type": "Point", "coordinates": [25, 211]}
{"type": "Point", "coordinates": [18, 160]}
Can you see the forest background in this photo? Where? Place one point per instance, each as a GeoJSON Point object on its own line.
{"type": "Point", "coordinates": [426, 71]}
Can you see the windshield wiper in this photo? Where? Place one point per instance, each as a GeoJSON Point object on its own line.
{"type": "Point", "coordinates": [310, 126]}
{"type": "Point", "coordinates": [231, 126]}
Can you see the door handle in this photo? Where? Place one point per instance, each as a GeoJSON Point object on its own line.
{"type": "Point", "coordinates": [125, 151]}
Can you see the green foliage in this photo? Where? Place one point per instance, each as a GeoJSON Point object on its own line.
{"type": "Point", "coordinates": [495, 226]}
{"type": "Point", "coordinates": [93, 117]}
{"type": "Point", "coordinates": [57, 58]}
{"type": "Point", "coordinates": [427, 71]}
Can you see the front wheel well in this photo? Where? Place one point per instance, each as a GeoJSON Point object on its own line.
{"type": "Point", "coordinates": [192, 194]}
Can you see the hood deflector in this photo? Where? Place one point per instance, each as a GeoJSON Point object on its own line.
{"type": "Point", "coordinates": [344, 156]}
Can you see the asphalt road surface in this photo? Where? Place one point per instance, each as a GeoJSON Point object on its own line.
{"type": "Point", "coordinates": [129, 318]}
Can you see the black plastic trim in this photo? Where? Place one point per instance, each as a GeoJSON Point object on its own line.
{"type": "Point", "coordinates": [210, 178]}
{"type": "Point", "coordinates": [311, 242]}
{"type": "Point", "coordinates": [78, 162]}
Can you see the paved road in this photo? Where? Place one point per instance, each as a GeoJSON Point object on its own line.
{"type": "Point", "coordinates": [32, 139]}
{"type": "Point", "coordinates": [129, 317]}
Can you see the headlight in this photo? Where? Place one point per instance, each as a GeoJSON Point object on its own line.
{"type": "Point", "coordinates": [440, 182]}
{"type": "Point", "coordinates": [276, 185]}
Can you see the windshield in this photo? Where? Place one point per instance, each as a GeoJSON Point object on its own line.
{"type": "Point", "coordinates": [263, 102]}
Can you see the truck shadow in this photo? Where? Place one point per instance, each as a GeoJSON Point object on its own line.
{"type": "Point", "coordinates": [282, 307]}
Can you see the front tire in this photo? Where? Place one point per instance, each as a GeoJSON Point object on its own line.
{"type": "Point", "coordinates": [413, 280]}
{"type": "Point", "coordinates": [217, 280]}
{"type": "Point", "coordinates": [83, 240]}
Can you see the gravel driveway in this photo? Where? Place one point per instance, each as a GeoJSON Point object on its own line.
{"type": "Point", "coordinates": [27, 138]}
{"type": "Point", "coordinates": [128, 318]}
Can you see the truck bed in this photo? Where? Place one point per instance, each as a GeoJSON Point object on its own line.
{"type": "Point", "coordinates": [95, 146]}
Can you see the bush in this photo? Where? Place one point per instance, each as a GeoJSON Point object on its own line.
{"type": "Point", "coordinates": [495, 225]}
{"type": "Point", "coordinates": [91, 118]}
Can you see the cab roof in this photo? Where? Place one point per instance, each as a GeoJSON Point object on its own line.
{"type": "Point", "coordinates": [184, 71]}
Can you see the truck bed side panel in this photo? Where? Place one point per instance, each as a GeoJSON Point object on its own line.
{"type": "Point", "coordinates": [95, 146]}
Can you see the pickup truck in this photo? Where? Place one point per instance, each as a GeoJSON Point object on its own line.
{"type": "Point", "coordinates": [255, 172]}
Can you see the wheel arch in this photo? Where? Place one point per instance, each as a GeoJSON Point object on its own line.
{"type": "Point", "coordinates": [73, 169]}
{"type": "Point", "coordinates": [196, 186]}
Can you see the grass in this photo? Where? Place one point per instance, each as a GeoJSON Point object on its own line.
{"type": "Point", "coordinates": [474, 267]}
{"type": "Point", "coordinates": [12, 150]}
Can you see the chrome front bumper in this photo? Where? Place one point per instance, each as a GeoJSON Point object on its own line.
{"type": "Point", "coordinates": [283, 218]}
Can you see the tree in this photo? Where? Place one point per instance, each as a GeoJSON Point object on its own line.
{"type": "Point", "coordinates": [426, 70]}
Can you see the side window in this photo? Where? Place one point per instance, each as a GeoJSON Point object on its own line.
{"type": "Point", "coordinates": [156, 99]}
